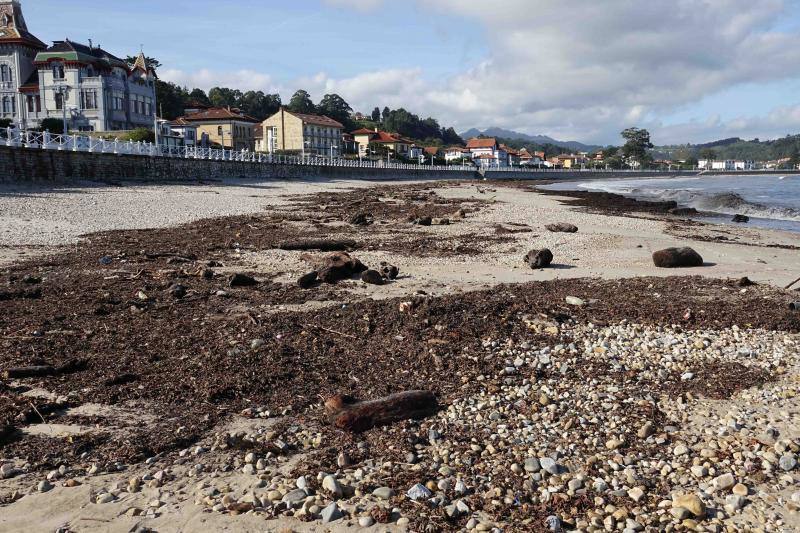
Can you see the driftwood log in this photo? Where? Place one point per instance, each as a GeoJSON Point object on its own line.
{"type": "Point", "coordinates": [323, 245]}
{"type": "Point", "coordinates": [347, 413]}
{"type": "Point", "coordinates": [37, 371]}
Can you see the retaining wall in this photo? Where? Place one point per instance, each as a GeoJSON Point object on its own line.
{"type": "Point", "coordinates": [25, 164]}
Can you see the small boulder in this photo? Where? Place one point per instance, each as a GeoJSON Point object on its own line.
{"type": "Point", "coordinates": [242, 280]}
{"type": "Point", "coordinates": [539, 258]}
{"type": "Point", "coordinates": [389, 271]}
{"type": "Point", "coordinates": [677, 258]}
{"type": "Point", "coordinates": [361, 219]}
{"type": "Point", "coordinates": [372, 277]}
{"type": "Point", "coordinates": [307, 281]}
{"type": "Point", "coordinates": [339, 266]}
{"type": "Point", "coordinates": [177, 291]}
{"type": "Point", "coordinates": [423, 221]}
{"type": "Point", "coordinates": [562, 227]}
{"type": "Point", "coordinates": [741, 219]}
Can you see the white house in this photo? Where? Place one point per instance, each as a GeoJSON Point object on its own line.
{"type": "Point", "coordinates": [457, 153]}
{"type": "Point", "coordinates": [487, 153]}
{"type": "Point", "coordinates": [185, 130]}
{"type": "Point", "coordinates": [726, 165]}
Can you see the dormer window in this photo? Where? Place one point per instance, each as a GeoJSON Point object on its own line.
{"type": "Point", "coordinates": [58, 71]}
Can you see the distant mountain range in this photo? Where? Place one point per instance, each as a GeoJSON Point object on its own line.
{"type": "Point", "coordinates": [535, 139]}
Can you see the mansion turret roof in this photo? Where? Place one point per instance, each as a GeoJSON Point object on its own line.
{"type": "Point", "coordinates": [13, 28]}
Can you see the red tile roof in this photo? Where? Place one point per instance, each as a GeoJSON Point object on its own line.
{"type": "Point", "coordinates": [473, 144]}
{"type": "Point", "coordinates": [319, 120]}
{"type": "Point", "coordinates": [432, 150]}
{"type": "Point", "coordinates": [218, 113]}
{"type": "Point", "coordinates": [364, 131]}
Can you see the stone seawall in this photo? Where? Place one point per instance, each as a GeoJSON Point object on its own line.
{"type": "Point", "coordinates": [29, 165]}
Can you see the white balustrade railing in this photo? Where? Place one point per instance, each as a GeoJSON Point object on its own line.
{"type": "Point", "coordinates": [86, 143]}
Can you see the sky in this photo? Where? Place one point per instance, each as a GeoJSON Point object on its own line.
{"type": "Point", "coordinates": [687, 70]}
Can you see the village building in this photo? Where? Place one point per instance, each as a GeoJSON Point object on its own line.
{"type": "Point", "coordinates": [457, 154]}
{"type": "Point", "coordinates": [223, 126]}
{"type": "Point", "coordinates": [530, 159]}
{"type": "Point", "coordinates": [487, 153]}
{"type": "Point", "coordinates": [286, 131]}
{"type": "Point", "coordinates": [186, 130]}
{"type": "Point", "coordinates": [380, 142]}
{"type": "Point", "coordinates": [90, 88]}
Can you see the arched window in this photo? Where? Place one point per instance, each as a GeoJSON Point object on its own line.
{"type": "Point", "coordinates": [6, 74]}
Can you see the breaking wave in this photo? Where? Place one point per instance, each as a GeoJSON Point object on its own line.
{"type": "Point", "coordinates": [725, 203]}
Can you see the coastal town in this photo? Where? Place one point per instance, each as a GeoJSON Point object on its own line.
{"type": "Point", "coordinates": [72, 86]}
{"type": "Point", "coordinates": [225, 310]}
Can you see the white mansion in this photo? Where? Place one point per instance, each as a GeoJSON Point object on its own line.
{"type": "Point", "coordinates": [96, 90]}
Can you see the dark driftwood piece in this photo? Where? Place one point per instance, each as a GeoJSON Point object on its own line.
{"type": "Point", "coordinates": [347, 413]}
{"type": "Point", "coordinates": [36, 371]}
{"type": "Point", "coordinates": [29, 372]}
{"type": "Point", "coordinates": [323, 245]}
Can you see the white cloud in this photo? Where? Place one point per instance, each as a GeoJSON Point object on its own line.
{"type": "Point", "coordinates": [361, 5]}
{"type": "Point", "coordinates": [205, 79]}
{"type": "Point", "coordinates": [574, 69]}
{"type": "Point", "coordinates": [777, 123]}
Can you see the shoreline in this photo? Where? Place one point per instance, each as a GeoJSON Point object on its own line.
{"type": "Point", "coordinates": [201, 407]}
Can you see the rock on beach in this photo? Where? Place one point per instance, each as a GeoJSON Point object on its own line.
{"type": "Point", "coordinates": [677, 258]}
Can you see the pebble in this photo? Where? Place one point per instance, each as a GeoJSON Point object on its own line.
{"type": "Point", "coordinates": [549, 465]}
{"type": "Point", "coordinates": [330, 484]}
{"type": "Point", "coordinates": [788, 462]}
{"type": "Point", "coordinates": [692, 503]}
{"type": "Point", "coordinates": [331, 513]}
{"type": "Point", "coordinates": [419, 492]}
{"type": "Point", "coordinates": [44, 486]}
{"type": "Point", "coordinates": [724, 482]}
{"type": "Point", "coordinates": [383, 493]}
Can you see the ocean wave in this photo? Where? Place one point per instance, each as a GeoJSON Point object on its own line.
{"type": "Point", "coordinates": [725, 203]}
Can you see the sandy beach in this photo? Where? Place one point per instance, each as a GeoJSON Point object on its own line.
{"type": "Point", "coordinates": [599, 393]}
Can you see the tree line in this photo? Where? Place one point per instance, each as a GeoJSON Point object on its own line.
{"type": "Point", "coordinates": [173, 100]}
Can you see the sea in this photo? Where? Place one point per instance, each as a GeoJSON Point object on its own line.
{"type": "Point", "coordinates": [771, 201]}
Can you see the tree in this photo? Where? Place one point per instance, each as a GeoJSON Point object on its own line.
{"type": "Point", "coordinates": [259, 105]}
{"type": "Point", "coordinates": [335, 107]}
{"type": "Point", "coordinates": [794, 158]}
{"type": "Point", "coordinates": [450, 137]}
{"type": "Point", "coordinates": [636, 145]}
{"type": "Point", "coordinates": [53, 125]}
{"type": "Point", "coordinates": [385, 115]}
{"type": "Point", "coordinates": [170, 99]}
{"type": "Point", "coordinates": [224, 97]}
{"type": "Point", "coordinates": [709, 154]}
{"type": "Point", "coordinates": [376, 115]}
{"type": "Point", "coordinates": [141, 134]}
{"type": "Point", "coordinates": [301, 103]}
{"type": "Point", "coordinates": [200, 96]}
